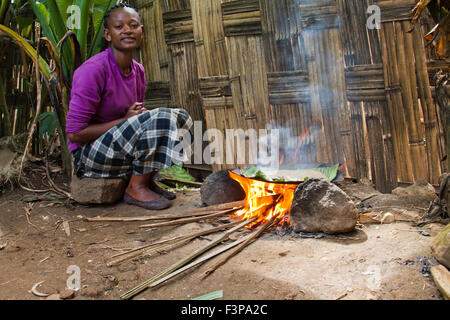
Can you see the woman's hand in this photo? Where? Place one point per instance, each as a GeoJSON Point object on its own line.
{"type": "Point", "coordinates": [93, 131]}
{"type": "Point", "coordinates": [135, 109]}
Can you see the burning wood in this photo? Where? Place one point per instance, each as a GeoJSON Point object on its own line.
{"type": "Point", "coordinates": [265, 200]}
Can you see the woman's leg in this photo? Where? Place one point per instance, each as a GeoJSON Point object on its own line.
{"type": "Point", "coordinates": [139, 147]}
{"type": "Point", "coordinates": [139, 194]}
{"type": "Point", "coordinates": [138, 187]}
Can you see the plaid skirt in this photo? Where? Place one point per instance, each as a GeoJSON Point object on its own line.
{"type": "Point", "coordinates": [138, 145]}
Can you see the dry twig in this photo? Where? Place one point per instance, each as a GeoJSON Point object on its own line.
{"type": "Point", "coordinates": [183, 262]}
{"type": "Point", "coordinates": [188, 220]}
{"type": "Point", "coordinates": [235, 251]}
{"type": "Point", "coordinates": [173, 240]}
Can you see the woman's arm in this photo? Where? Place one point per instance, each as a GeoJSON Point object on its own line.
{"type": "Point", "coordinates": [93, 131]}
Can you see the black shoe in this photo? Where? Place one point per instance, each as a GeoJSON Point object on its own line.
{"type": "Point", "coordinates": [157, 204]}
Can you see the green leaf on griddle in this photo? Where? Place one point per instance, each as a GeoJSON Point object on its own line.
{"type": "Point", "coordinates": [176, 172]}
{"type": "Point", "coordinates": [329, 171]}
{"type": "Point", "coordinates": [255, 173]}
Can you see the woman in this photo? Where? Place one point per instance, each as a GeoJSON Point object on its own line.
{"type": "Point", "coordinates": [110, 132]}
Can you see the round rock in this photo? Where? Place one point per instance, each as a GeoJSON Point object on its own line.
{"type": "Point", "coordinates": [321, 206]}
{"type": "Point", "coordinates": [219, 188]}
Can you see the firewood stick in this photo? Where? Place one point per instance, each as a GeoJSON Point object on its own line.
{"type": "Point", "coordinates": [197, 262]}
{"type": "Point", "coordinates": [221, 206]}
{"type": "Point", "coordinates": [150, 251]}
{"type": "Point", "coordinates": [189, 183]}
{"type": "Point", "coordinates": [188, 220]}
{"type": "Point", "coordinates": [193, 213]}
{"type": "Point", "coordinates": [184, 261]}
{"type": "Point", "coordinates": [236, 250]}
{"type": "Point", "coordinates": [168, 241]}
{"type": "Point", "coordinates": [148, 218]}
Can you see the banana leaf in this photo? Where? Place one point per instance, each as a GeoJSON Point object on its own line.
{"type": "Point", "coordinates": [176, 172]}
{"type": "Point", "coordinates": [329, 172]}
{"type": "Point", "coordinates": [29, 50]}
{"type": "Point", "coordinates": [25, 26]}
{"type": "Point", "coordinates": [98, 12]}
{"type": "Point", "coordinates": [47, 124]}
{"type": "Point", "coordinates": [86, 7]}
{"type": "Point", "coordinates": [210, 296]}
{"type": "Point", "coordinates": [3, 10]}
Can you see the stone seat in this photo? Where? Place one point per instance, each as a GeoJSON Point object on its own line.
{"type": "Point", "coordinates": [97, 191]}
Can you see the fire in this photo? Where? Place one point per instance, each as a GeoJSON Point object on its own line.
{"type": "Point", "coordinates": [265, 200]}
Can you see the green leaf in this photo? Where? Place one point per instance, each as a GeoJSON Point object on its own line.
{"type": "Point", "coordinates": [29, 50]}
{"type": "Point", "coordinates": [25, 25]}
{"type": "Point", "coordinates": [162, 185]}
{"type": "Point", "coordinates": [176, 172]}
{"type": "Point", "coordinates": [43, 17]}
{"type": "Point", "coordinates": [255, 173]}
{"type": "Point", "coordinates": [47, 123]}
{"type": "Point", "coordinates": [210, 296]}
{"type": "Point", "coordinates": [82, 33]}
{"type": "Point", "coordinates": [62, 6]}
{"type": "Point", "coordinates": [250, 173]}
{"type": "Point", "coordinates": [99, 10]}
{"type": "Point", "coordinates": [329, 171]}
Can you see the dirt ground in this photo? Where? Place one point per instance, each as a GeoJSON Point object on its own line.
{"type": "Point", "coordinates": [388, 261]}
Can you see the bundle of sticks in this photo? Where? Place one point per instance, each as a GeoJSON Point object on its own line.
{"type": "Point", "coordinates": [196, 257]}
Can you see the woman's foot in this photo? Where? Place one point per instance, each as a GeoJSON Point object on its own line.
{"type": "Point", "coordinates": [137, 193]}
{"type": "Point", "coordinates": [159, 203]}
{"type": "Point", "coordinates": [166, 194]}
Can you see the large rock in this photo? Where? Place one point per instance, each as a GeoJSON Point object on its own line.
{"type": "Point", "coordinates": [441, 246]}
{"type": "Point", "coordinates": [218, 188]}
{"type": "Point", "coordinates": [321, 206]}
{"type": "Point", "coordinates": [421, 188]}
{"type": "Point", "coordinates": [441, 277]}
{"type": "Point", "coordinates": [97, 191]}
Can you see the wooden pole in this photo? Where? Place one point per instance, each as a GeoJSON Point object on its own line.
{"type": "Point", "coordinates": [183, 261]}
{"type": "Point", "coordinates": [189, 220]}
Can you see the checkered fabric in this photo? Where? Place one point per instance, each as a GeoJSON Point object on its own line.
{"type": "Point", "coordinates": [138, 145]}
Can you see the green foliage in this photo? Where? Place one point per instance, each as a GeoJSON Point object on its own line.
{"type": "Point", "coordinates": [29, 50]}
{"type": "Point", "coordinates": [255, 173]}
{"type": "Point", "coordinates": [54, 16]}
{"type": "Point", "coordinates": [176, 172]}
{"type": "Point", "coordinates": [210, 296]}
{"type": "Point", "coordinates": [25, 26]}
{"type": "Point", "coordinates": [328, 171]}
{"type": "Point", "coordinates": [47, 124]}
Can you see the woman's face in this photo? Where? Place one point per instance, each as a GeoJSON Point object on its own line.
{"type": "Point", "coordinates": [124, 30]}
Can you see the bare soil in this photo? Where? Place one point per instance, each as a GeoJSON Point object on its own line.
{"type": "Point", "coordinates": [388, 261]}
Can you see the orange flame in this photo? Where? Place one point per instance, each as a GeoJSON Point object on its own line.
{"type": "Point", "coordinates": [265, 200]}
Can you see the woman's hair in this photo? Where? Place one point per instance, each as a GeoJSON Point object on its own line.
{"type": "Point", "coordinates": [105, 44]}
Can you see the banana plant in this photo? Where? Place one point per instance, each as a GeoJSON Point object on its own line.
{"type": "Point", "coordinates": [3, 10]}
{"type": "Point", "coordinates": [69, 26]}
{"type": "Point", "coordinates": [81, 18]}
{"type": "Point", "coordinates": [29, 50]}
{"type": "Point", "coordinates": [72, 32]}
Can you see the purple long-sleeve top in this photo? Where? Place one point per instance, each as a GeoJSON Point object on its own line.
{"type": "Point", "coordinates": [102, 93]}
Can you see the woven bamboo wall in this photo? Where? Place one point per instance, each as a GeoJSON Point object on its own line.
{"type": "Point", "coordinates": [340, 92]}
